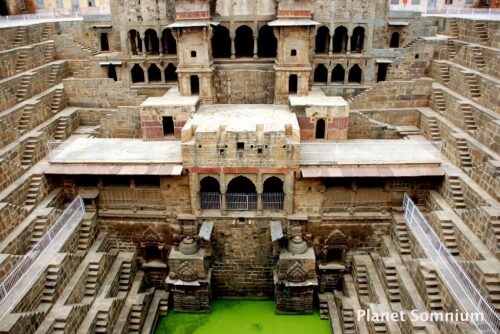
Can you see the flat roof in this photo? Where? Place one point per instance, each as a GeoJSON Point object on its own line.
{"type": "Point", "coordinates": [116, 151]}
{"type": "Point", "coordinates": [369, 152]}
{"type": "Point", "coordinates": [171, 98]}
{"type": "Point", "coordinates": [293, 22]}
{"type": "Point", "coordinates": [242, 117]}
{"type": "Point", "coordinates": [317, 100]}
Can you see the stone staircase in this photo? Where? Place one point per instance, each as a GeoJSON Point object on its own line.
{"type": "Point", "coordinates": [324, 313]}
{"type": "Point", "coordinates": [59, 326]}
{"type": "Point", "coordinates": [401, 235]}
{"type": "Point", "coordinates": [444, 72]}
{"type": "Point", "coordinates": [378, 326]}
{"type": "Point", "coordinates": [439, 101]}
{"type": "Point", "coordinates": [18, 39]}
{"type": "Point", "coordinates": [434, 129]}
{"type": "Point", "coordinates": [24, 121]}
{"type": "Point", "coordinates": [478, 57]}
{"type": "Point", "coordinates": [90, 50]}
{"type": "Point", "coordinates": [23, 87]}
{"type": "Point", "coordinates": [361, 279]}
{"type": "Point", "coordinates": [492, 285]}
{"type": "Point", "coordinates": [50, 285]}
{"type": "Point", "coordinates": [91, 284]}
{"type": "Point", "coordinates": [413, 42]}
{"type": "Point", "coordinates": [392, 283]}
{"type": "Point", "coordinates": [469, 120]}
{"type": "Point", "coordinates": [84, 235]}
{"type": "Point", "coordinates": [464, 154]}
{"type": "Point", "coordinates": [53, 74]}
{"type": "Point", "coordinates": [495, 225]}
{"type": "Point", "coordinates": [135, 321]}
{"type": "Point", "coordinates": [62, 124]}
{"type": "Point", "coordinates": [456, 192]}
{"type": "Point", "coordinates": [57, 99]}
{"type": "Point", "coordinates": [45, 32]}
{"type": "Point", "coordinates": [449, 237]}
{"type": "Point", "coordinates": [471, 80]}
{"type": "Point", "coordinates": [101, 323]}
{"type": "Point", "coordinates": [434, 301]}
{"type": "Point", "coordinates": [22, 57]}
{"type": "Point", "coordinates": [453, 25]}
{"type": "Point", "coordinates": [48, 53]}
{"type": "Point", "coordinates": [452, 50]}
{"type": "Point", "coordinates": [163, 307]}
{"type": "Point", "coordinates": [125, 276]}
{"type": "Point", "coordinates": [29, 152]}
{"type": "Point", "coordinates": [33, 190]}
{"type": "Point", "coordinates": [39, 228]}
{"type": "Point", "coordinates": [348, 321]}
{"type": "Point", "coordinates": [481, 32]}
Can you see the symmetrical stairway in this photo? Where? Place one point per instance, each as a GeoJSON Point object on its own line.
{"type": "Point", "coordinates": [449, 238]}
{"type": "Point", "coordinates": [60, 133]}
{"type": "Point", "coordinates": [439, 101]}
{"type": "Point", "coordinates": [401, 235]}
{"type": "Point", "coordinates": [348, 321]}
{"type": "Point", "coordinates": [93, 52]}
{"type": "Point", "coordinates": [48, 53]}
{"type": "Point", "coordinates": [464, 154]}
{"type": "Point", "coordinates": [39, 227]}
{"type": "Point", "coordinates": [18, 39]}
{"type": "Point", "coordinates": [472, 83]}
{"type": "Point", "coordinates": [50, 284]}
{"type": "Point", "coordinates": [125, 276]}
{"type": "Point", "coordinates": [135, 319]}
{"type": "Point", "coordinates": [33, 190]}
{"type": "Point", "coordinates": [481, 31]}
{"type": "Point", "coordinates": [101, 322]}
{"type": "Point", "coordinates": [444, 72]}
{"type": "Point", "coordinates": [24, 121]}
{"type": "Point", "coordinates": [478, 57]}
{"type": "Point", "coordinates": [29, 152]}
{"type": "Point", "coordinates": [91, 284]}
{"type": "Point", "coordinates": [45, 32]}
{"type": "Point", "coordinates": [84, 236]}
{"type": "Point", "coordinates": [392, 282]}
{"type": "Point", "coordinates": [434, 129]}
{"type": "Point", "coordinates": [492, 285]}
{"type": "Point", "coordinates": [452, 50]}
{"type": "Point", "coordinates": [469, 121]}
{"type": "Point", "coordinates": [22, 57]}
{"type": "Point", "coordinates": [457, 192]}
{"type": "Point", "coordinates": [56, 101]}
{"type": "Point", "coordinates": [53, 74]}
{"type": "Point", "coordinates": [361, 280]}
{"type": "Point", "coordinates": [23, 87]}
{"type": "Point", "coordinates": [434, 301]}
{"type": "Point", "coordinates": [453, 25]}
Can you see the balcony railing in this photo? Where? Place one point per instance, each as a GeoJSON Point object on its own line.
{"type": "Point", "coordinates": [242, 202]}
{"type": "Point", "coordinates": [479, 311]}
{"type": "Point", "coordinates": [70, 217]}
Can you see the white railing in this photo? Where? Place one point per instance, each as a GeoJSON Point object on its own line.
{"type": "Point", "coordinates": [462, 11]}
{"type": "Point", "coordinates": [241, 202]}
{"type": "Point", "coordinates": [72, 215]}
{"type": "Point", "coordinates": [273, 201]}
{"type": "Point", "coordinates": [210, 201]}
{"type": "Point", "coordinates": [479, 311]}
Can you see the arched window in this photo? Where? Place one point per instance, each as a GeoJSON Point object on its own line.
{"type": "Point", "coordinates": [104, 42]}
{"type": "Point", "coordinates": [322, 40]}
{"type": "Point", "coordinates": [4, 10]}
{"type": "Point", "coordinates": [244, 42]}
{"type": "Point", "coordinates": [210, 195]}
{"type": "Point", "coordinates": [340, 39]}
{"type": "Point", "coordinates": [292, 83]}
{"type": "Point", "coordinates": [152, 42]}
{"type": "Point", "coordinates": [135, 42]}
{"type": "Point", "coordinates": [154, 73]}
{"type": "Point", "coordinates": [321, 74]}
{"type": "Point", "coordinates": [320, 129]}
{"type": "Point", "coordinates": [137, 73]}
{"type": "Point", "coordinates": [168, 42]}
{"type": "Point", "coordinates": [241, 194]}
{"type": "Point", "coordinates": [170, 73]}
{"type": "Point", "coordinates": [358, 40]}
{"type": "Point", "coordinates": [195, 84]}
{"type": "Point", "coordinates": [112, 72]}
{"type": "Point", "coordinates": [273, 196]}
{"type": "Point", "coordinates": [355, 74]}
{"type": "Point", "coordinates": [221, 42]}
{"type": "Point", "coordinates": [267, 42]}
{"type": "Point", "coordinates": [394, 40]}
{"type": "Point", "coordinates": [338, 74]}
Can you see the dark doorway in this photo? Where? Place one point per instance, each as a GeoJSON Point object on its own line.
{"type": "Point", "coordinates": [320, 129]}
{"type": "Point", "coordinates": [338, 74]}
{"type": "Point", "coordinates": [273, 196]}
{"type": "Point", "coordinates": [135, 41]}
{"type": "Point", "coordinates": [358, 40]}
{"type": "Point", "coordinates": [209, 185]}
{"type": "Point", "coordinates": [355, 74]}
{"type": "Point", "coordinates": [170, 73]}
{"type": "Point", "coordinates": [154, 73]}
{"type": "Point", "coordinates": [104, 42]}
{"type": "Point", "coordinates": [292, 83]}
{"type": "Point", "coordinates": [273, 185]}
{"type": "Point", "coordinates": [221, 42]}
{"type": "Point", "coordinates": [321, 74]}
{"type": "Point", "coordinates": [210, 196]}
{"type": "Point", "coordinates": [395, 40]}
{"type": "Point", "coordinates": [241, 185]}
{"type": "Point", "coordinates": [334, 255]}
{"type": "Point", "coordinates": [244, 42]}
{"type": "Point", "coordinates": [137, 73]}
{"type": "Point", "coordinates": [168, 125]}
{"type": "Point", "coordinates": [4, 10]}
{"type": "Point", "coordinates": [152, 42]}
{"type": "Point", "coordinates": [267, 43]}
{"type": "Point", "coordinates": [322, 40]}
{"type": "Point", "coordinates": [382, 72]}
{"type": "Point", "coordinates": [340, 40]}
{"type": "Point", "coordinates": [112, 72]}
{"type": "Point", "coordinates": [195, 84]}
{"type": "Point", "coordinates": [168, 42]}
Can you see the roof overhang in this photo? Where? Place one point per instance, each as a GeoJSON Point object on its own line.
{"type": "Point", "coordinates": [113, 62]}
{"type": "Point", "coordinates": [114, 169]}
{"type": "Point", "coordinates": [102, 26]}
{"type": "Point", "coordinates": [292, 23]}
{"type": "Point", "coordinates": [398, 23]}
{"type": "Point", "coordinates": [383, 61]}
{"type": "Point", "coordinates": [192, 24]}
{"type": "Point", "coordinates": [394, 171]}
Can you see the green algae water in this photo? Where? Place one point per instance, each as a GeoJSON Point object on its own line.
{"type": "Point", "coordinates": [242, 317]}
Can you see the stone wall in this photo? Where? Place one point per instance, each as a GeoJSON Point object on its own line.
{"type": "Point", "coordinates": [32, 35]}
{"type": "Point", "coordinates": [34, 55]}
{"type": "Point", "coordinates": [364, 127]}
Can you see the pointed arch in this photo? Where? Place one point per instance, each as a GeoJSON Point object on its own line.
{"type": "Point", "coordinates": [243, 41]}
{"type": "Point", "coordinates": [321, 74]}
{"type": "Point", "coordinates": [267, 43]}
{"type": "Point", "coordinates": [355, 74]}
{"type": "Point", "coordinates": [137, 73]}
{"type": "Point", "coordinates": [322, 40]}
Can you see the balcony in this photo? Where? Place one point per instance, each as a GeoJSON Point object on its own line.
{"type": "Point", "coordinates": [242, 201]}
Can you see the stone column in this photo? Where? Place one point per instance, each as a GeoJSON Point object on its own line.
{"type": "Point", "coordinates": [348, 44]}
{"type": "Point", "coordinates": [259, 187]}
{"type": "Point", "coordinates": [329, 68]}
{"type": "Point", "coordinates": [144, 45]}
{"type": "Point", "coordinates": [330, 46]}
{"type": "Point", "coordinates": [233, 48]}
{"type": "Point", "coordinates": [346, 75]}
{"type": "Point", "coordinates": [146, 76]}
{"type": "Point", "coordinates": [162, 69]}
{"type": "Point", "coordinates": [160, 41]}
{"type": "Point", "coordinates": [223, 189]}
{"type": "Point", "coordinates": [255, 47]}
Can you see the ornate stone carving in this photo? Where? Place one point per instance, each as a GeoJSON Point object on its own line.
{"type": "Point", "coordinates": [150, 237]}
{"type": "Point", "coordinates": [186, 273]}
{"type": "Point", "coordinates": [336, 237]}
{"type": "Point", "coordinates": [296, 273]}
